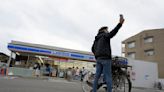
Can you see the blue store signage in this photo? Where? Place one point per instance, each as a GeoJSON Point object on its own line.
{"type": "Point", "coordinates": [51, 52]}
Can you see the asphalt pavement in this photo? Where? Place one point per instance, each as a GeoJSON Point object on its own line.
{"type": "Point", "coordinates": [37, 85]}
{"type": "Point", "coordinates": [17, 84]}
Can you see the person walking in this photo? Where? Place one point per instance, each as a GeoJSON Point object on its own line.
{"type": "Point", "coordinates": [77, 73]}
{"type": "Point", "coordinates": [37, 69]}
{"type": "Point", "coordinates": [101, 48]}
{"type": "Point", "coordinates": [83, 73]}
{"type": "Point", "coordinates": [73, 73]}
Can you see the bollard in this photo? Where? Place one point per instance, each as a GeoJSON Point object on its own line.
{"type": "Point", "coordinates": [2, 72]}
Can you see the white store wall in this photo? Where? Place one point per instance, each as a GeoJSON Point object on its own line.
{"type": "Point", "coordinates": [145, 73]}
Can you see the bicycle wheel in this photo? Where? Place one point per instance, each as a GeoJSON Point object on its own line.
{"type": "Point", "coordinates": [116, 84]}
{"type": "Point", "coordinates": [87, 84]}
{"type": "Point", "coordinates": [128, 84]}
{"type": "Point", "coordinates": [121, 84]}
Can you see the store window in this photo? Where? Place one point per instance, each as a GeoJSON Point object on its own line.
{"type": "Point", "coordinates": [131, 44]}
{"type": "Point", "coordinates": [148, 39]}
{"type": "Point", "coordinates": [149, 52]}
{"type": "Point", "coordinates": [131, 55]}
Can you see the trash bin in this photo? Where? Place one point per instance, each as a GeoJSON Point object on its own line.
{"type": "Point", "coordinates": [61, 74]}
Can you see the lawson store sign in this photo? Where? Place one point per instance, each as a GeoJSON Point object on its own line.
{"type": "Point", "coordinates": [51, 52]}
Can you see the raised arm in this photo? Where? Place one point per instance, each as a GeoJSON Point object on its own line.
{"type": "Point", "coordinates": [115, 30]}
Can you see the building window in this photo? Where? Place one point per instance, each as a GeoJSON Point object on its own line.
{"type": "Point", "coordinates": [149, 52]}
{"type": "Point", "coordinates": [148, 39]}
{"type": "Point", "coordinates": [132, 55]}
{"type": "Point", "coordinates": [131, 44]}
{"type": "Point", "coordinates": [123, 48]}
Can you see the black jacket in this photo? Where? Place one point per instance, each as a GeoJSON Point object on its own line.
{"type": "Point", "coordinates": [101, 46]}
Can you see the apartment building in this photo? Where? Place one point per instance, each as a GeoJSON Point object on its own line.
{"type": "Point", "coordinates": [147, 45]}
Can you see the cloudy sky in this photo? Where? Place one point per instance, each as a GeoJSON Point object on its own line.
{"type": "Point", "coordinates": [74, 23]}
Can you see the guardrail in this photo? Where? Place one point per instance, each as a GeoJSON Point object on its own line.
{"type": "Point", "coordinates": [20, 72]}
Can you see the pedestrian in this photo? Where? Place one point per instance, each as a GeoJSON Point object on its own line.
{"type": "Point", "coordinates": [37, 69]}
{"type": "Point", "coordinates": [83, 73]}
{"type": "Point", "coordinates": [102, 51]}
{"type": "Point", "coordinates": [73, 72]}
{"type": "Point", "coordinates": [69, 74]}
{"type": "Point", "coordinates": [159, 86]}
{"type": "Point", "coordinates": [77, 74]}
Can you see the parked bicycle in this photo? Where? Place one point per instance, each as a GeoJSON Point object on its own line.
{"type": "Point", "coordinates": [120, 77]}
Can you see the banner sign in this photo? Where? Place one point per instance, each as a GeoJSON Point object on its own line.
{"type": "Point", "coordinates": [72, 55]}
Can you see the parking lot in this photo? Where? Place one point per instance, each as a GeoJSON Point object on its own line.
{"type": "Point", "coordinates": [15, 84]}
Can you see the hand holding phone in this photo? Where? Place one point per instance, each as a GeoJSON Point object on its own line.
{"type": "Point", "coordinates": [121, 19]}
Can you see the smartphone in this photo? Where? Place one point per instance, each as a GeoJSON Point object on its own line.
{"type": "Point", "coordinates": [121, 15]}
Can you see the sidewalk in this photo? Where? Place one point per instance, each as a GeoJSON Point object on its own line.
{"type": "Point", "coordinates": [34, 85]}
{"type": "Point", "coordinates": [46, 78]}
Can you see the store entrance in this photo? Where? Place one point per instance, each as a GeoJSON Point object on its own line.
{"type": "Point", "coordinates": [48, 65]}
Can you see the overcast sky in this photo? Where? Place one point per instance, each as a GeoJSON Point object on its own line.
{"type": "Point", "coordinates": [74, 23]}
